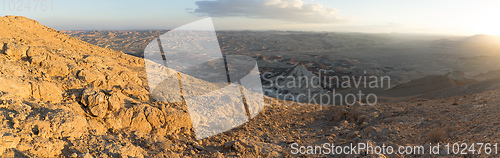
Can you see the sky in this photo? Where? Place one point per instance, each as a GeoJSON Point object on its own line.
{"type": "Point", "coordinates": [370, 16]}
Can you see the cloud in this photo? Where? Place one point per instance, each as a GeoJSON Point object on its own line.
{"type": "Point", "coordinates": [288, 10]}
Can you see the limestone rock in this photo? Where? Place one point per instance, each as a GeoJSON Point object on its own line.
{"type": "Point", "coordinates": [99, 110]}
{"type": "Point", "coordinates": [42, 147]}
{"type": "Point", "coordinates": [126, 116]}
{"type": "Point", "coordinates": [114, 121]}
{"type": "Point", "coordinates": [67, 124]}
{"type": "Point", "coordinates": [175, 118]}
{"type": "Point", "coordinates": [7, 141]}
{"type": "Point", "coordinates": [77, 108]}
{"type": "Point", "coordinates": [137, 92]}
{"type": "Point", "coordinates": [87, 155]}
{"type": "Point", "coordinates": [55, 123]}
{"type": "Point", "coordinates": [96, 127]}
{"type": "Point", "coordinates": [235, 145]}
{"type": "Point", "coordinates": [115, 102]}
{"type": "Point", "coordinates": [96, 101]}
{"type": "Point", "coordinates": [36, 55]}
{"type": "Point", "coordinates": [55, 67]}
{"type": "Point", "coordinates": [46, 91]}
{"type": "Point", "coordinates": [4, 47]}
{"type": "Point", "coordinates": [21, 111]}
{"type": "Point", "coordinates": [114, 79]}
{"type": "Point", "coordinates": [154, 116]}
{"type": "Point", "coordinates": [16, 51]}
{"type": "Point", "coordinates": [91, 76]}
{"type": "Point", "coordinates": [140, 123]}
{"type": "Point", "coordinates": [126, 150]}
{"type": "Point", "coordinates": [11, 88]}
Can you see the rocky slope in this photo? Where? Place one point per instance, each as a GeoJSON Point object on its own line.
{"type": "Point", "coordinates": [61, 97]}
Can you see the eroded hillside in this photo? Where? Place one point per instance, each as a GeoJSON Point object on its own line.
{"type": "Point", "coordinates": [61, 97]}
{"type": "Point", "coordinates": [58, 92]}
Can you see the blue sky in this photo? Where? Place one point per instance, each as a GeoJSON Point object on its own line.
{"type": "Point", "coordinates": [373, 16]}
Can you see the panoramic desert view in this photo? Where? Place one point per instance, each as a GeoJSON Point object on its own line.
{"type": "Point", "coordinates": [203, 89]}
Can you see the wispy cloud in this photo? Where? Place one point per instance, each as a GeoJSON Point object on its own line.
{"type": "Point", "coordinates": [288, 10]}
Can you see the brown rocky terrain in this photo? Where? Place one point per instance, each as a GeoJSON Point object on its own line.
{"type": "Point", "coordinates": [130, 42]}
{"type": "Point", "coordinates": [62, 97]}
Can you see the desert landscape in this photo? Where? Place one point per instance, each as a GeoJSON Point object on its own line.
{"type": "Point", "coordinates": [86, 94]}
{"type": "Point", "coordinates": [401, 57]}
